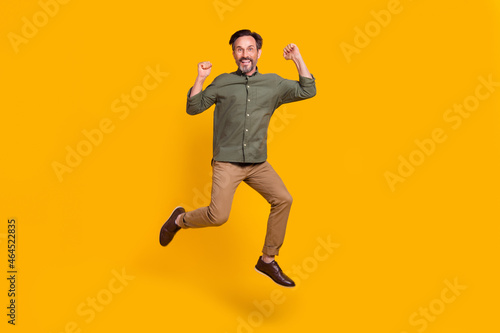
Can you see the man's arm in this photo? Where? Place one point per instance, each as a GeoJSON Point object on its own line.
{"type": "Point", "coordinates": [204, 69]}
{"type": "Point", "coordinates": [291, 52]}
{"type": "Point", "coordinates": [198, 99]}
{"type": "Point", "coordinates": [305, 87]}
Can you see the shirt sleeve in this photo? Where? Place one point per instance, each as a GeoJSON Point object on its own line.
{"type": "Point", "coordinates": [202, 100]}
{"type": "Point", "coordinates": [292, 91]}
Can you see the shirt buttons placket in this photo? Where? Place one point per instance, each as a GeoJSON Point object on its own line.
{"type": "Point", "coordinates": [245, 123]}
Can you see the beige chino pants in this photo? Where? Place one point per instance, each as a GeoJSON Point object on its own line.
{"type": "Point", "coordinates": [261, 177]}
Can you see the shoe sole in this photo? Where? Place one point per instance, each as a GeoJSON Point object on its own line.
{"type": "Point", "coordinates": [164, 224]}
{"type": "Point", "coordinates": [272, 279]}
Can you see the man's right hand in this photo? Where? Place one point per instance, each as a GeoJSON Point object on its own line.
{"type": "Point", "coordinates": [204, 69]}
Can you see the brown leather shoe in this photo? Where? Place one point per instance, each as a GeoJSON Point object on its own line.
{"type": "Point", "coordinates": [274, 271]}
{"type": "Point", "coordinates": [169, 228]}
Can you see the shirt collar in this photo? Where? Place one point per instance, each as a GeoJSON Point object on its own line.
{"type": "Point", "coordinates": [240, 73]}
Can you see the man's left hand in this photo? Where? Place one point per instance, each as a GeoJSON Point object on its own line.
{"type": "Point", "coordinates": [291, 52]}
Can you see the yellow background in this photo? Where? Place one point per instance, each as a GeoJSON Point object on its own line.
{"type": "Point", "coordinates": [396, 248]}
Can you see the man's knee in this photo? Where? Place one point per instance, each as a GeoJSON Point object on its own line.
{"type": "Point", "coordinates": [217, 218]}
{"type": "Point", "coordinates": [283, 200]}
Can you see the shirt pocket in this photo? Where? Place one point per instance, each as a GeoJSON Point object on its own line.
{"type": "Point", "coordinates": [265, 98]}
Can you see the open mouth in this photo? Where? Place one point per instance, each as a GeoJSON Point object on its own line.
{"type": "Point", "coordinates": [245, 62]}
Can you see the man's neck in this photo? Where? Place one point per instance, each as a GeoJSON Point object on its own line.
{"type": "Point", "coordinates": [251, 73]}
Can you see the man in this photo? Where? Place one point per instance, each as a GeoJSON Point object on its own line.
{"type": "Point", "coordinates": [245, 101]}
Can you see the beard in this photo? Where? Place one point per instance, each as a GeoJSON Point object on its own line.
{"type": "Point", "coordinates": [246, 67]}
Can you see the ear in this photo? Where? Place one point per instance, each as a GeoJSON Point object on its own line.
{"type": "Point", "coordinates": [259, 53]}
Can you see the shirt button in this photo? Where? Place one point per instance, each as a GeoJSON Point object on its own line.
{"type": "Point", "coordinates": [249, 100]}
{"type": "Point", "coordinates": [248, 86]}
{"type": "Point", "coordinates": [244, 145]}
{"type": "Point", "coordinates": [246, 129]}
{"type": "Point", "coordinates": [248, 115]}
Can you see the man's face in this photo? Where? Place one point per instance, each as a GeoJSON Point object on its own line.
{"type": "Point", "coordinates": [246, 54]}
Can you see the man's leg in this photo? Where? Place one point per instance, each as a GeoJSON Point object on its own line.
{"type": "Point", "coordinates": [268, 183]}
{"type": "Point", "coordinates": [225, 179]}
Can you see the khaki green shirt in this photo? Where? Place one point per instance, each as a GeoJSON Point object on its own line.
{"type": "Point", "coordinates": [243, 108]}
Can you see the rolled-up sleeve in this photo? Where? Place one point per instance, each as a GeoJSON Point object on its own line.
{"type": "Point", "coordinates": [202, 100]}
{"type": "Point", "coordinates": [292, 91]}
